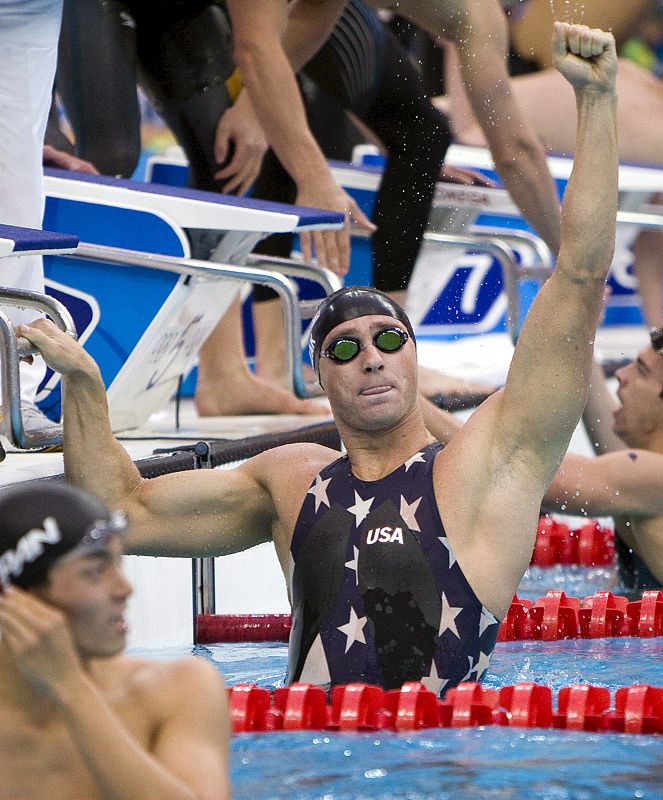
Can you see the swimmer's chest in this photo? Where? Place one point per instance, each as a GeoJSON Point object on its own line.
{"type": "Point", "coordinates": [40, 759]}
{"type": "Point", "coordinates": [367, 532]}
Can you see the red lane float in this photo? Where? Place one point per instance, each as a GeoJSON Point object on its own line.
{"type": "Point", "coordinates": [589, 546]}
{"type": "Point", "coordinates": [549, 618]}
{"type": "Point", "coordinates": [215, 628]}
{"type": "Point", "coordinates": [602, 615]}
{"type": "Point", "coordinates": [362, 707]}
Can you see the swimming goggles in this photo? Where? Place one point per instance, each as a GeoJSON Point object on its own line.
{"type": "Point", "coordinates": [97, 536]}
{"type": "Point", "coordinates": [345, 348]}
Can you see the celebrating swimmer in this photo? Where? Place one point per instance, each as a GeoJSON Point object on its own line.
{"type": "Point", "coordinates": [400, 556]}
{"type": "Point", "coordinates": [77, 719]}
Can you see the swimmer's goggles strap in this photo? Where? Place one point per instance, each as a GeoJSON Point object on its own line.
{"type": "Point", "coordinates": [97, 536]}
{"type": "Point", "coordinates": [346, 348]}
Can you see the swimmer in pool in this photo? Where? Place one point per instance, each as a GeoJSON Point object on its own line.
{"type": "Point", "coordinates": [77, 718]}
{"type": "Point", "coordinates": [624, 480]}
{"type": "Point", "coordinates": [400, 557]}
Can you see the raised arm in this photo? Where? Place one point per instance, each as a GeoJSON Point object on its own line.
{"type": "Point", "coordinates": [547, 385]}
{"type": "Point", "coordinates": [267, 45]}
{"type": "Point", "coordinates": [506, 454]}
{"type": "Point", "coordinates": [186, 514]}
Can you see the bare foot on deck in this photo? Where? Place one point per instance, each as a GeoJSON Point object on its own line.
{"type": "Point", "coordinates": [249, 394]}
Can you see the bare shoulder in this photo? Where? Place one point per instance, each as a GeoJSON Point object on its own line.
{"type": "Point", "coordinates": [158, 684]}
{"type": "Point", "coordinates": [293, 462]}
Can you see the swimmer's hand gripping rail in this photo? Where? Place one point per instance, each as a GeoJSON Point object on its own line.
{"type": "Point", "coordinates": [275, 278]}
{"type": "Point", "coordinates": [14, 349]}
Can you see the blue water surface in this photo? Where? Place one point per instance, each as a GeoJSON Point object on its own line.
{"type": "Point", "coordinates": [489, 763]}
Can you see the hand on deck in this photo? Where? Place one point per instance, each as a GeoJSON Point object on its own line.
{"type": "Point", "coordinates": [38, 639]}
{"type": "Point", "coordinates": [62, 353]}
{"type": "Point", "coordinates": [586, 57]}
{"type": "Point", "coordinates": [238, 131]}
{"type": "Point", "coordinates": [331, 248]}
{"type": "Point", "coordinates": [52, 157]}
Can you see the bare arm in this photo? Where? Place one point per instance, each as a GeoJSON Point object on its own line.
{"type": "Point", "coordinates": [259, 33]}
{"type": "Point", "coordinates": [520, 159]}
{"type": "Point", "coordinates": [506, 454]}
{"type": "Point", "coordinates": [202, 513]}
{"type": "Point", "coordinates": [439, 422]}
{"type": "Point", "coordinates": [188, 758]}
{"type": "Point", "coordinates": [597, 414]}
{"type": "Point", "coordinates": [548, 380]}
{"type": "Point", "coordinates": [626, 483]}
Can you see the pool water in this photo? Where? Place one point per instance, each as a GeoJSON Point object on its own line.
{"type": "Point", "coordinates": [490, 763]}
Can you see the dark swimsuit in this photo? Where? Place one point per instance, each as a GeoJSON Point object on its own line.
{"type": "Point", "coordinates": [377, 595]}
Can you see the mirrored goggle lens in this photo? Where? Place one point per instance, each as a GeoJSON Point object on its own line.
{"type": "Point", "coordinates": [342, 350]}
{"type": "Point", "coordinates": [390, 340]}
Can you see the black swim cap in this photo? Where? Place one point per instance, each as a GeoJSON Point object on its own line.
{"type": "Point", "coordinates": [41, 523]}
{"type": "Point", "coordinates": [349, 303]}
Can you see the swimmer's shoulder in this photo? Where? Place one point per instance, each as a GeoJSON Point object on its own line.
{"type": "Point", "coordinates": [297, 462]}
{"type": "Point", "coordinates": [156, 685]}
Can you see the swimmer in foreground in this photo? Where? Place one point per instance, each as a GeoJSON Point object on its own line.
{"type": "Point", "coordinates": [77, 718]}
{"type": "Point", "coordinates": [401, 556]}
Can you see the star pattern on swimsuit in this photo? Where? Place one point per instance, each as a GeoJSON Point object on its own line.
{"type": "Point", "coordinates": [482, 664]}
{"type": "Point", "coordinates": [415, 458]}
{"type": "Point", "coordinates": [469, 672]}
{"type": "Point", "coordinates": [433, 682]}
{"type": "Point", "coordinates": [354, 564]}
{"type": "Point", "coordinates": [448, 617]}
{"type": "Point", "coordinates": [486, 620]}
{"type": "Point", "coordinates": [319, 491]}
{"type": "Point", "coordinates": [360, 508]}
{"type": "Point", "coordinates": [408, 511]}
{"type": "Point", "coordinates": [446, 543]}
{"type": "Point", "coordinates": [353, 629]}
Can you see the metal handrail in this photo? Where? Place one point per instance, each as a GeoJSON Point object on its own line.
{"type": "Point", "coordinates": [544, 258]}
{"type": "Point", "coordinates": [507, 261]}
{"type": "Point", "coordinates": [644, 220]}
{"type": "Point", "coordinates": [212, 270]}
{"type": "Point", "coordinates": [13, 350]}
{"type": "Point", "coordinates": [329, 281]}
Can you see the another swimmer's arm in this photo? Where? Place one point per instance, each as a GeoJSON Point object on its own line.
{"type": "Point", "coordinates": [598, 414]}
{"type": "Point", "coordinates": [629, 482]}
{"type": "Point", "coordinates": [440, 423]}
{"type": "Point", "coordinates": [268, 76]}
{"type": "Point", "coordinates": [481, 40]}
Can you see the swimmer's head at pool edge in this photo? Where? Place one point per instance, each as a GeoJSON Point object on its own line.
{"type": "Point", "coordinates": [62, 545]}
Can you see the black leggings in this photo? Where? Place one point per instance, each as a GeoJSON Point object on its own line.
{"type": "Point", "coordinates": [181, 54]}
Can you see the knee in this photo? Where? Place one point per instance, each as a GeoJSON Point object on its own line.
{"type": "Point", "coordinates": [112, 157]}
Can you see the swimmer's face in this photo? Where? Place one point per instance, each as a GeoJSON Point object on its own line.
{"type": "Point", "coordinates": [376, 389]}
{"type": "Point", "coordinates": [640, 388]}
{"type": "Point", "coordinates": [92, 592]}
